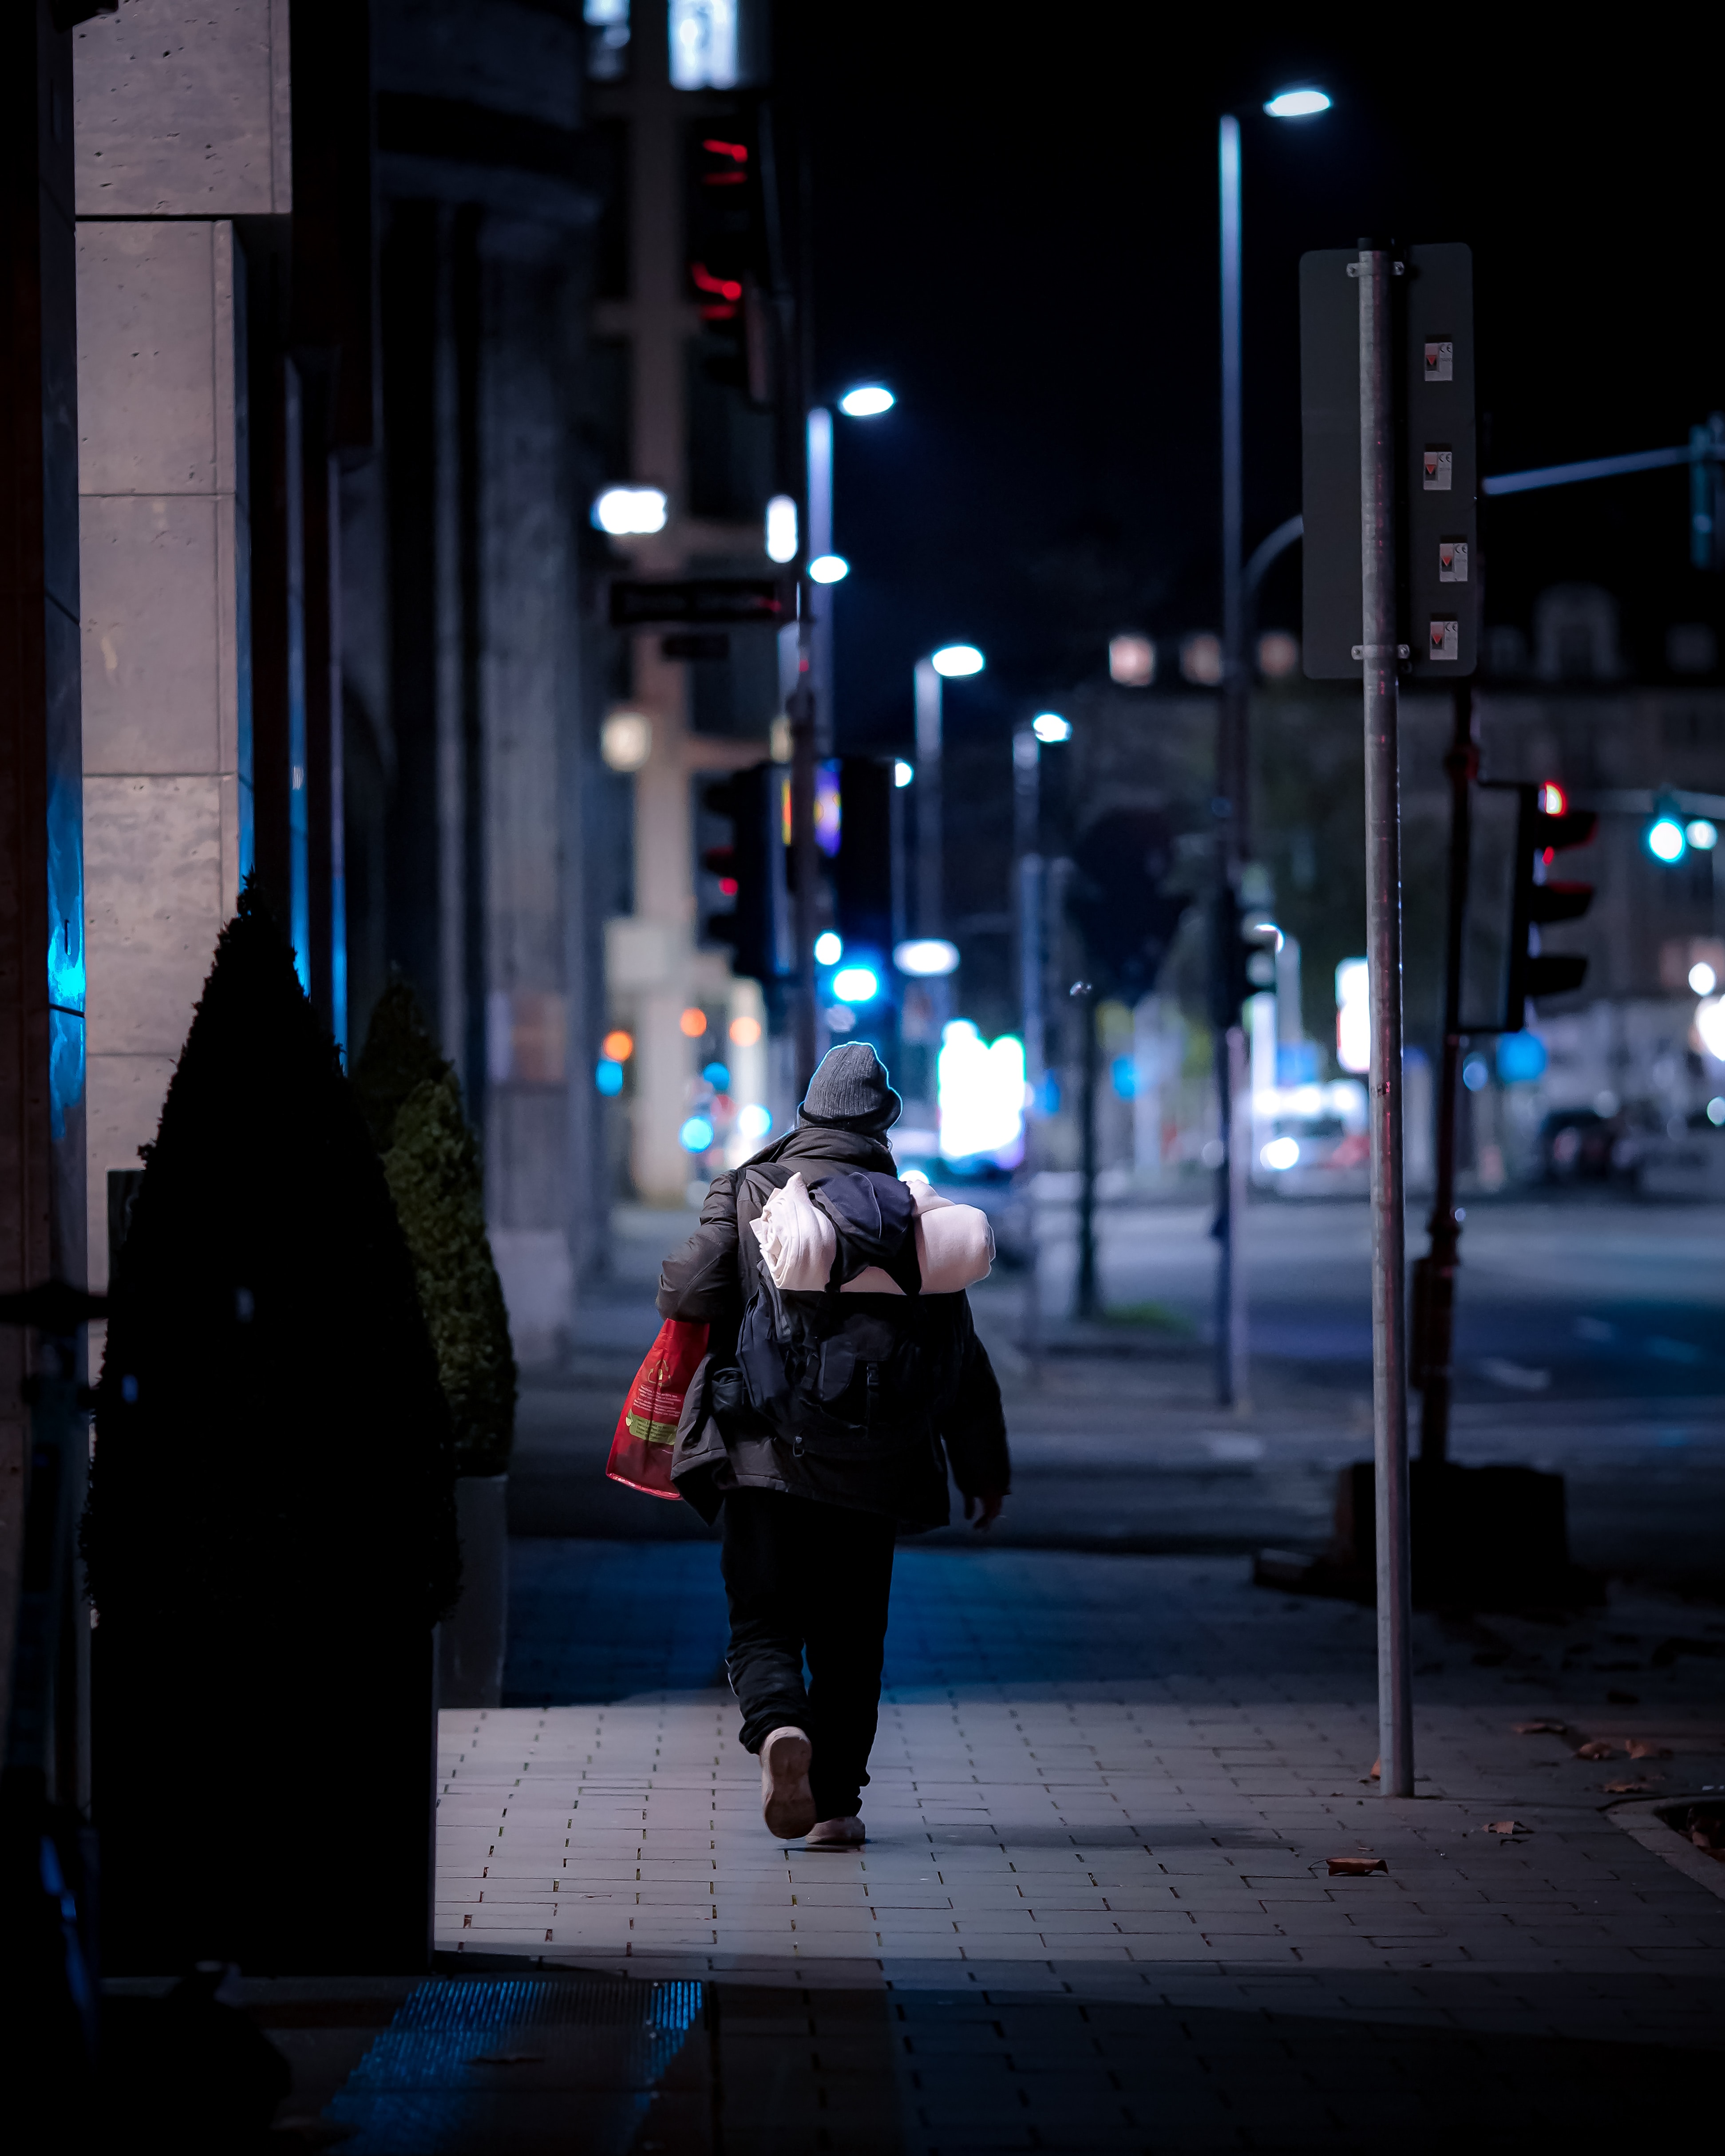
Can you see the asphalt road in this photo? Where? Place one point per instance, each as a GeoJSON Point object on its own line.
{"type": "Point", "coordinates": [1590, 1342]}
{"type": "Point", "coordinates": [1565, 1298]}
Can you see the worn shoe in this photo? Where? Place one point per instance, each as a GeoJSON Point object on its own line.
{"type": "Point", "coordinates": [787, 1802]}
{"type": "Point", "coordinates": [836, 1833]}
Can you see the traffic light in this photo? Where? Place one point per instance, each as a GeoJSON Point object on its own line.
{"type": "Point", "coordinates": [1118, 902]}
{"type": "Point", "coordinates": [1545, 826]}
{"type": "Point", "coordinates": [726, 269]}
{"type": "Point", "coordinates": [1707, 494]}
{"type": "Point", "coordinates": [1231, 983]}
{"type": "Point", "coordinates": [1244, 962]}
{"type": "Point", "coordinates": [742, 873]}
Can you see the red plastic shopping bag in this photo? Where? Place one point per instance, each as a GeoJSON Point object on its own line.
{"type": "Point", "coordinates": [647, 1428]}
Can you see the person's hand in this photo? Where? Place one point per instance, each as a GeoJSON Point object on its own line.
{"type": "Point", "coordinates": [990, 1503]}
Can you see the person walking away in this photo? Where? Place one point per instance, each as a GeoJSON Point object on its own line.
{"type": "Point", "coordinates": [842, 1379]}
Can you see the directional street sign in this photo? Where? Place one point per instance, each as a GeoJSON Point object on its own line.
{"type": "Point", "coordinates": [717, 602]}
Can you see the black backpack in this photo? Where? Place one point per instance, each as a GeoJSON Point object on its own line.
{"type": "Point", "coordinates": [847, 1376]}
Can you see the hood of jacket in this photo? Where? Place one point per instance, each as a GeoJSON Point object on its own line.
{"type": "Point", "coordinates": [827, 1142]}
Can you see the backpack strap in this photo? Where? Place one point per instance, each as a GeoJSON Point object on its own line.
{"type": "Point", "coordinates": [752, 1188]}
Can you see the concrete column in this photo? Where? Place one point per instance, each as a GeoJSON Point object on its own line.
{"type": "Point", "coordinates": [655, 970]}
{"type": "Point", "coordinates": [41, 1065]}
{"type": "Point", "coordinates": [168, 779]}
{"type": "Point", "coordinates": [664, 895]}
{"type": "Point", "coordinates": [181, 125]}
{"type": "Point", "coordinates": [530, 697]}
{"type": "Point", "coordinates": [661, 323]}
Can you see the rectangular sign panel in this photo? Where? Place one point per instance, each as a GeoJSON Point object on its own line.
{"type": "Point", "coordinates": [1437, 612]}
{"type": "Point", "coordinates": [1487, 941]}
{"type": "Point", "coordinates": [731, 601]}
{"type": "Point", "coordinates": [1440, 612]}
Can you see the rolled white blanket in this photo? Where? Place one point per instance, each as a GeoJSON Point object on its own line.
{"type": "Point", "coordinates": [797, 1243]}
{"type": "Point", "coordinates": [955, 1246]}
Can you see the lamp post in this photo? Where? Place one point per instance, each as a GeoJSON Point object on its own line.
{"type": "Point", "coordinates": [810, 706]}
{"type": "Point", "coordinates": [826, 568]}
{"type": "Point", "coordinates": [952, 662]}
{"type": "Point", "coordinates": [1232, 803]}
{"type": "Point", "coordinates": [1027, 891]}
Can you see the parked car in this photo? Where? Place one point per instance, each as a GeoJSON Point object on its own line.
{"type": "Point", "coordinates": [1577, 1145]}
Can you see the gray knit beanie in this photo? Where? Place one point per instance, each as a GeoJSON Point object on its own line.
{"type": "Point", "coordinates": [849, 1089]}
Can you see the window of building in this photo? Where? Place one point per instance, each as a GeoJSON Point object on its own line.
{"type": "Point", "coordinates": [703, 44]}
{"type": "Point", "coordinates": [607, 39]}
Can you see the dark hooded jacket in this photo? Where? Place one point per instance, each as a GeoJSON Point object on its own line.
{"type": "Point", "coordinates": [719, 1449]}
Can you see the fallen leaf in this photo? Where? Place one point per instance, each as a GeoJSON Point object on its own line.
{"type": "Point", "coordinates": [1376, 1774]}
{"type": "Point", "coordinates": [1626, 1789]}
{"type": "Point", "coordinates": [1599, 1749]}
{"type": "Point", "coordinates": [1644, 1748]}
{"type": "Point", "coordinates": [1542, 1729]}
{"type": "Point", "coordinates": [1505, 1827]}
{"type": "Point", "coordinates": [1355, 1867]}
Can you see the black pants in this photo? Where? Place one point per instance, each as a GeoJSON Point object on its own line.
{"type": "Point", "coordinates": [799, 1576]}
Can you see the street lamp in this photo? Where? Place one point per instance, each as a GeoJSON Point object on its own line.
{"type": "Point", "coordinates": [630, 511]}
{"type": "Point", "coordinates": [866, 401]}
{"type": "Point", "coordinates": [1296, 104]}
{"type": "Point", "coordinates": [1232, 833]}
{"type": "Point", "coordinates": [810, 708]}
{"type": "Point", "coordinates": [1049, 728]}
{"type": "Point", "coordinates": [952, 662]}
{"type": "Point", "coordinates": [781, 534]}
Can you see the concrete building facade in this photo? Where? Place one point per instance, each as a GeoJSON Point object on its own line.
{"type": "Point", "coordinates": [718, 448]}
{"type": "Point", "coordinates": [334, 274]}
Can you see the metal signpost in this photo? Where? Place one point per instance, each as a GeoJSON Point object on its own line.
{"type": "Point", "coordinates": [1380, 653]}
{"type": "Point", "coordinates": [1232, 842]}
{"type": "Point", "coordinates": [1391, 575]}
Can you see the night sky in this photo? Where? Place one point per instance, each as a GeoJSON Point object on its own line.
{"type": "Point", "coordinates": [1016, 228]}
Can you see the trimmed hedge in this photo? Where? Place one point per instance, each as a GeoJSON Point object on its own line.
{"type": "Point", "coordinates": [412, 1100]}
{"type": "Point", "coordinates": [270, 1534]}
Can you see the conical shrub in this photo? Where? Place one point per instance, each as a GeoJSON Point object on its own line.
{"type": "Point", "coordinates": [412, 1100]}
{"type": "Point", "coordinates": [399, 1053]}
{"type": "Point", "coordinates": [270, 1534]}
{"type": "Point", "coordinates": [433, 1173]}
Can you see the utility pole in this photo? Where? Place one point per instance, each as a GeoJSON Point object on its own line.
{"type": "Point", "coordinates": [1230, 804]}
{"type": "Point", "coordinates": [810, 711]}
{"type": "Point", "coordinates": [819, 596]}
{"type": "Point", "coordinates": [1032, 966]}
{"type": "Point", "coordinates": [1027, 858]}
{"type": "Point", "coordinates": [929, 865]}
{"type": "Point", "coordinates": [1084, 998]}
{"type": "Point", "coordinates": [805, 870]}
{"type": "Point", "coordinates": [1380, 654]}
